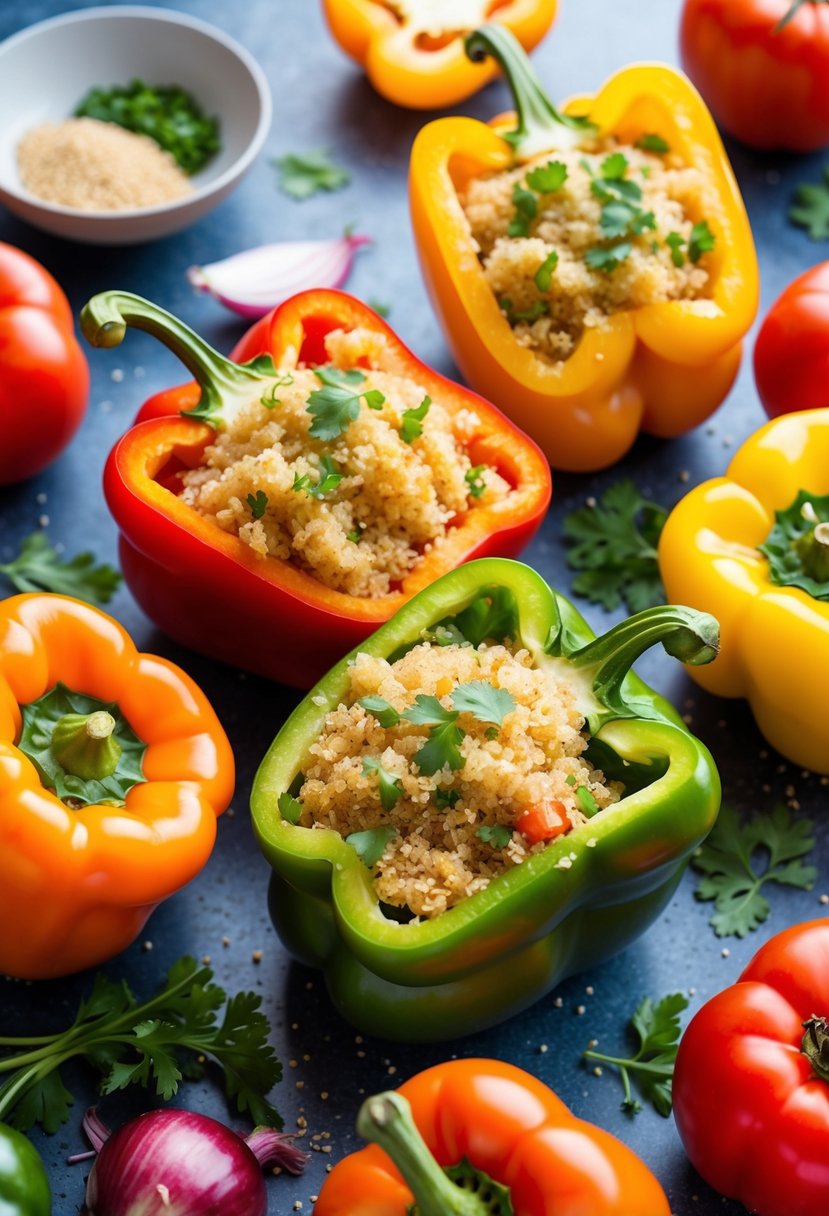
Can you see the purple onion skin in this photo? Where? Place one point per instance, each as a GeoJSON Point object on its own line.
{"type": "Point", "coordinates": [176, 1163]}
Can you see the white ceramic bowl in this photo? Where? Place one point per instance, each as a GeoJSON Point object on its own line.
{"type": "Point", "coordinates": [46, 69]}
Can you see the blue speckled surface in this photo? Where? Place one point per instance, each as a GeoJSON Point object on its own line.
{"type": "Point", "coordinates": [321, 99]}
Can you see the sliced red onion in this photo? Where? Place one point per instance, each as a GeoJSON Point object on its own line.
{"type": "Point", "coordinates": [255, 281]}
{"type": "Point", "coordinates": [180, 1163]}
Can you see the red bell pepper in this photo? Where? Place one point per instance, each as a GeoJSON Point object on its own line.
{"type": "Point", "coordinates": [205, 587]}
{"type": "Point", "coordinates": [751, 1083]}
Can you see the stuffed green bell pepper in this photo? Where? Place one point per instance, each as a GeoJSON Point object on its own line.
{"type": "Point", "coordinates": [479, 801]}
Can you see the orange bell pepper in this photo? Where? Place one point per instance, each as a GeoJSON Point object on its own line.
{"type": "Point", "coordinates": [481, 1137]}
{"type": "Point", "coordinates": [772, 602]}
{"type": "Point", "coordinates": [113, 770]}
{"type": "Point", "coordinates": [413, 53]}
{"type": "Point", "coordinates": [662, 368]}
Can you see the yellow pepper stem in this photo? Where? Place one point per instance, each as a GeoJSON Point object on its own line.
{"type": "Point", "coordinates": [85, 746]}
{"type": "Point", "coordinates": [814, 553]}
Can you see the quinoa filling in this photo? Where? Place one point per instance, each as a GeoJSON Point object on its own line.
{"type": "Point", "coordinates": [572, 237]}
{"type": "Point", "coordinates": [449, 766]}
{"type": "Point", "coordinates": [349, 471]}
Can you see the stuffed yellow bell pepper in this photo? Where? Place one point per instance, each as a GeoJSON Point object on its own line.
{"type": "Point", "coordinates": [412, 50]}
{"type": "Point", "coordinates": [753, 548]}
{"type": "Point", "coordinates": [650, 361]}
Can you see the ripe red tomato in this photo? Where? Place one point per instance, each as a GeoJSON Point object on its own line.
{"type": "Point", "coordinates": [751, 1083]}
{"type": "Point", "coordinates": [765, 82]}
{"type": "Point", "coordinates": [44, 376]}
{"type": "Point", "coordinates": [791, 354]}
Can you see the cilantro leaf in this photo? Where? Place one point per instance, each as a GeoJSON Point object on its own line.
{"type": "Point", "coordinates": [526, 209]}
{"type": "Point", "coordinates": [545, 179]}
{"type": "Point", "coordinates": [39, 567]}
{"type": "Point", "coordinates": [258, 503]}
{"type": "Point", "coordinates": [675, 242]}
{"type": "Point", "coordinates": [616, 218]}
{"type": "Point", "coordinates": [380, 709]}
{"type": "Point", "coordinates": [391, 788]}
{"type": "Point", "coordinates": [475, 480]}
{"type": "Point", "coordinates": [154, 1044]}
{"type": "Point", "coordinates": [702, 240]}
{"type": "Point", "coordinates": [738, 860]}
{"type": "Point", "coordinates": [614, 166]}
{"type": "Point", "coordinates": [651, 1066]}
{"type": "Point", "coordinates": [428, 711]}
{"type": "Point", "coordinates": [484, 701]}
{"type": "Point", "coordinates": [446, 798]}
{"type": "Point", "coordinates": [334, 406]}
{"type": "Point", "coordinates": [613, 545]}
{"type": "Point", "coordinates": [811, 209]}
{"type": "Point", "coordinates": [328, 480]}
{"type": "Point", "coordinates": [653, 143]}
{"type": "Point", "coordinates": [382, 310]}
{"type": "Point", "coordinates": [339, 377]}
{"type": "Point", "coordinates": [411, 428]}
{"type": "Point", "coordinates": [353, 536]}
{"type": "Point", "coordinates": [441, 749]}
{"type": "Point", "coordinates": [290, 808]}
{"type": "Point", "coordinates": [538, 308]}
{"type": "Point", "coordinates": [303, 174]}
{"type": "Point", "coordinates": [543, 277]}
{"type": "Point", "coordinates": [496, 834]}
{"type": "Point", "coordinates": [607, 257]}
{"type": "Point", "coordinates": [370, 845]}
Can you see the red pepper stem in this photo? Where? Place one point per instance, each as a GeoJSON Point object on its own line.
{"type": "Point", "coordinates": [541, 127]}
{"type": "Point", "coordinates": [386, 1119]}
{"type": "Point", "coordinates": [104, 320]}
{"type": "Point", "coordinates": [815, 1045]}
{"type": "Point", "coordinates": [687, 635]}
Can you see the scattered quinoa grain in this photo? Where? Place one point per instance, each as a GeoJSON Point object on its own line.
{"type": "Point", "coordinates": [257, 956]}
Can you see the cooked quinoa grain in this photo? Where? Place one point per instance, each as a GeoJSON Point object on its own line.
{"type": "Point", "coordinates": [389, 501]}
{"type": "Point", "coordinates": [568, 223]}
{"type": "Point", "coordinates": [438, 856]}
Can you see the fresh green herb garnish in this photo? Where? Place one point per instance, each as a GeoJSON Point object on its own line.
{"type": "Point", "coordinates": [153, 1044]}
{"type": "Point", "coordinates": [446, 798]}
{"type": "Point", "coordinates": [269, 398]}
{"type": "Point", "coordinates": [258, 503]}
{"type": "Point", "coordinates": [737, 860]}
{"type": "Point", "coordinates": [653, 143]}
{"type": "Point", "coordinates": [545, 179]}
{"type": "Point", "coordinates": [652, 1065]}
{"type": "Point", "coordinates": [474, 478]}
{"type": "Point", "coordinates": [570, 779]}
{"type": "Point", "coordinates": [613, 545]}
{"type": "Point", "coordinates": [411, 426]}
{"type": "Point", "coordinates": [339, 377]}
{"type": "Point", "coordinates": [538, 308]}
{"type": "Point", "coordinates": [526, 209]}
{"type": "Point", "coordinates": [607, 258]}
{"type": "Point", "coordinates": [370, 845]}
{"type": "Point", "coordinates": [380, 709]}
{"type": "Point", "coordinates": [811, 209]}
{"type": "Point", "coordinates": [543, 277]}
{"type": "Point", "coordinates": [484, 701]}
{"type": "Point", "coordinates": [621, 216]}
{"type": "Point", "coordinates": [303, 174]}
{"type": "Point", "coordinates": [328, 480]}
{"type": "Point", "coordinates": [445, 737]}
{"type": "Point", "coordinates": [336, 405]}
{"type": "Point", "coordinates": [587, 803]}
{"type": "Point", "coordinates": [382, 310]}
{"type": "Point", "coordinates": [676, 242]}
{"type": "Point", "coordinates": [702, 240]}
{"type": "Point", "coordinates": [354, 536]}
{"type": "Point", "coordinates": [496, 834]}
{"type": "Point", "coordinates": [167, 114]}
{"type": "Point", "coordinates": [391, 788]}
{"type": "Point", "coordinates": [614, 167]}
{"type": "Point", "coordinates": [290, 808]}
{"type": "Point", "coordinates": [39, 567]}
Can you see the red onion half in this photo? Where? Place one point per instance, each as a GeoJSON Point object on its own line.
{"type": "Point", "coordinates": [179, 1163]}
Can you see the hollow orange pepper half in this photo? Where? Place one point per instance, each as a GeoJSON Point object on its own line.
{"type": "Point", "coordinates": [753, 547]}
{"type": "Point", "coordinates": [113, 770]}
{"type": "Point", "coordinates": [478, 1137]}
{"type": "Point", "coordinates": [662, 368]}
{"type": "Point", "coordinates": [208, 589]}
{"type": "Point", "coordinates": [415, 57]}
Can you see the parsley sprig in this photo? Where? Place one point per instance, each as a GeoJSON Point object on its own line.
{"type": "Point", "coordinates": [328, 480]}
{"type": "Point", "coordinates": [258, 503]}
{"type": "Point", "coordinates": [622, 215]}
{"type": "Point", "coordinates": [811, 207]}
{"type": "Point", "coordinates": [651, 1067]}
{"type": "Point", "coordinates": [335, 405]}
{"type": "Point", "coordinates": [613, 546]}
{"type": "Point", "coordinates": [543, 179]}
{"type": "Point", "coordinates": [411, 426]}
{"type": "Point", "coordinates": [154, 1044]}
{"type": "Point", "coordinates": [391, 787]}
{"type": "Point", "coordinates": [39, 567]}
{"type": "Point", "coordinates": [303, 174]}
{"type": "Point", "coordinates": [738, 860]}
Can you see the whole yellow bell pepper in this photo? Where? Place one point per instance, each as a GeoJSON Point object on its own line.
{"type": "Point", "coordinates": [753, 548]}
{"type": "Point", "coordinates": [662, 368]}
{"type": "Point", "coordinates": [412, 50]}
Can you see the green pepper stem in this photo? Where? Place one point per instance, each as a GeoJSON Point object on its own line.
{"type": "Point", "coordinates": [104, 321]}
{"type": "Point", "coordinates": [815, 1045]}
{"type": "Point", "coordinates": [690, 636]}
{"type": "Point", "coordinates": [386, 1119]}
{"type": "Point", "coordinates": [541, 127]}
{"type": "Point", "coordinates": [84, 745]}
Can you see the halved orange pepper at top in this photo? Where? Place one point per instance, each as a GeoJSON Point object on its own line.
{"type": "Point", "coordinates": [662, 368]}
{"type": "Point", "coordinates": [412, 50]}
